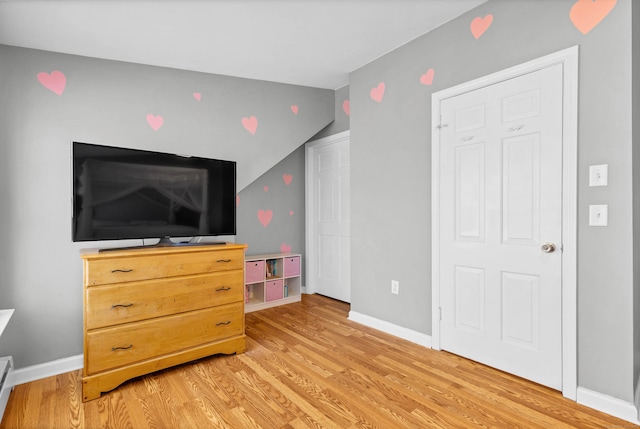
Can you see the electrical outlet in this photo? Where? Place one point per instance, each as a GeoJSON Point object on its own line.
{"type": "Point", "coordinates": [395, 286]}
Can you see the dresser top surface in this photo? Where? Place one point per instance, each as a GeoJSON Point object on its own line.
{"type": "Point", "coordinates": [95, 253]}
{"type": "Point", "coordinates": [270, 256]}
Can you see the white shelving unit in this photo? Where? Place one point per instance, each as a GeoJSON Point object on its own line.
{"type": "Point", "coordinates": [6, 366]}
{"type": "Point", "coordinates": [271, 279]}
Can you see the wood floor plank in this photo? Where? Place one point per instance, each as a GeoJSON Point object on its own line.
{"type": "Point", "coordinates": [205, 413]}
{"type": "Point", "coordinates": [308, 367]}
{"type": "Point", "coordinates": [310, 414]}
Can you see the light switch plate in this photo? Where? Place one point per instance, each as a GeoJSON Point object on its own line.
{"type": "Point", "coordinates": [598, 215]}
{"type": "Point", "coordinates": [598, 175]}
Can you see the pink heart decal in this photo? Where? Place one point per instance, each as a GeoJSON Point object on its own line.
{"type": "Point", "coordinates": [290, 212]}
{"type": "Point", "coordinates": [266, 189]}
{"type": "Point", "coordinates": [378, 92]}
{"type": "Point", "coordinates": [237, 200]}
{"type": "Point", "coordinates": [197, 96]}
{"type": "Point", "coordinates": [586, 14]}
{"type": "Point", "coordinates": [294, 109]}
{"type": "Point", "coordinates": [265, 216]}
{"type": "Point", "coordinates": [427, 78]}
{"type": "Point", "coordinates": [285, 248]}
{"type": "Point", "coordinates": [250, 124]}
{"type": "Point", "coordinates": [287, 178]}
{"type": "Point", "coordinates": [346, 106]}
{"type": "Point", "coordinates": [155, 122]}
{"type": "Point", "coordinates": [480, 25]}
{"type": "Point", "coordinates": [56, 81]}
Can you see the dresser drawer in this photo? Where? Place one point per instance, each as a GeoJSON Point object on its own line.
{"type": "Point", "coordinates": [292, 266]}
{"type": "Point", "coordinates": [153, 266]}
{"type": "Point", "coordinates": [129, 302]}
{"type": "Point", "coordinates": [117, 346]}
{"type": "Point", "coordinates": [254, 271]}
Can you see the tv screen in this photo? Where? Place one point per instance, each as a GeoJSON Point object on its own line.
{"type": "Point", "coordinates": [121, 193]}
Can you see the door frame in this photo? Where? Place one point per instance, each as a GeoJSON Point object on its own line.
{"type": "Point", "coordinates": [309, 197]}
{"type": "Point", "coordinates": [569, 58]}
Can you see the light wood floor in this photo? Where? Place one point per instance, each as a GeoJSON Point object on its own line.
{"type": "Point", "coordinates": [307, 366]}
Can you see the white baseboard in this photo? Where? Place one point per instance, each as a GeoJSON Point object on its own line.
{"type": "Point", "coordinates": [47, 369]}
{"type": "Point", "coordinates": [608, 404]}
{"type": "Point", "coordinates": [390, 328]}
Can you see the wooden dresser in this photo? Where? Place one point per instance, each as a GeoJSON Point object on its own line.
{"type": "Point", "coordinates": [152, 308]}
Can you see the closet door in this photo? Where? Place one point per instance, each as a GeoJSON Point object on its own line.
{"type": "Point", "coordinates": [501, 225]}
{"type": "Point", "coordinates": [328, 217]}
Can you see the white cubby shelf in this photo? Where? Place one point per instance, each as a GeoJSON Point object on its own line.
{"type": "Point", "coordinates": [271, 280]}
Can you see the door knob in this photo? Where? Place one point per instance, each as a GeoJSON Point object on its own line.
{"type": "Point", "coordinates": [548, 248]}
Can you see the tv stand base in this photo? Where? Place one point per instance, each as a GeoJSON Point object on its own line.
{"type": "Point", "coordinates": [165, 242]}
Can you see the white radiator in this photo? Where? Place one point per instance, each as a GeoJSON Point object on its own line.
{"type": "Point", "coordinates": [6, 385]}
{"type": "Point", "coordinates": [6, 366]}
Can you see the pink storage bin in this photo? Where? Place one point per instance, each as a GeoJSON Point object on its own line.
{"type": "Point", "coordinates": [254, 271]}
{"type": "Point", "coordinates": [292, 266]}
{"type": "Point", "coordinates": [273, 290]}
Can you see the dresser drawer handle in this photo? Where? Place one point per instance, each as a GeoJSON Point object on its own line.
{"type": "Point", "coordinates": [223, 260]}
{"type": "Point", "coordinates": [121, 305]}
{"type": "Point", "coordinates": [223, 289]}
{"type": "Point", "coordinates": [113, 349]}
{"type": "Point", "coordinates": [121, 271]}
{"type": "Point", "coordinates": [223, 323]}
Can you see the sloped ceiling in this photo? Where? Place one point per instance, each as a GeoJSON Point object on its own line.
{"type": "Point", "coordinates": [303, 42]}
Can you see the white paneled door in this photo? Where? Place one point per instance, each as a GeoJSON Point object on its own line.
{"type": "Point", "coordinates": [330, 218]}
{"type": "Point", "coordinates": [501, 225]}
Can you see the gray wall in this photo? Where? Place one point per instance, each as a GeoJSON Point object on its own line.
{"type": "Point", "coordinates": [341, 122]}
{"type": "Point", "coordinates": [390, 153]}
{"type": "Point", "coordinates": [270, 192]}
{"type": "Point", "coordinates": [106, 102]}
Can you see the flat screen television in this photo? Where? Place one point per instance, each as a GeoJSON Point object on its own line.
{"type": "Point", "coordinates": [121, 193]}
